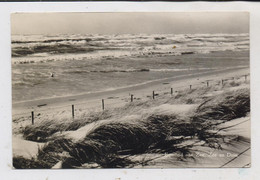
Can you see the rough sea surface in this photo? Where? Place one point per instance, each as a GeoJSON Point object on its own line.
{"type": "Point", "coordinates": [45, 66]}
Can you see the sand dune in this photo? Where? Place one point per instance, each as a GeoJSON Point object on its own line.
{"type": "Point", "coordinates": [223, 142]}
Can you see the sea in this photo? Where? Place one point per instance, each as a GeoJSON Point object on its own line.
{"type": "Point", "coordinates": [46, 66]}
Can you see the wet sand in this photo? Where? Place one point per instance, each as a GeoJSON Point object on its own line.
{"type": "Point", "coordinates": [118, 97]}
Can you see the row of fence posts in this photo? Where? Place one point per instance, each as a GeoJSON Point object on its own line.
{"type": "Point", "coordinates": [132, 99]}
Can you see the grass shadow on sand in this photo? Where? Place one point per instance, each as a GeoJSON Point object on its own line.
{"type": "Point", "coordinates": [111, 144]}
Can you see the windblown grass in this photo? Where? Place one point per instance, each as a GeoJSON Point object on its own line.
{"type": "Point", "coordinates": [108, 141]}
{"type": "Point", "coordinates": [110, 144]}
{"type": "Point", "coordinates": [41, 131]}
{"type": "Point", "coordinates": [226, 106]}
{"type": "Point", "coordinates": [23, 163]}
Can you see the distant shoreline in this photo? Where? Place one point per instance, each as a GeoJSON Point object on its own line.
{"type": "Point", "coordinates": [143, 88]}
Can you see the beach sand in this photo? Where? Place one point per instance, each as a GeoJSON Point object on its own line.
{"type": "Point", "coordinates": [60, 108]}
{"type": "Point", "coordinates": [119, 97]}
{"type": "Point", "coordinates": [140, 90]}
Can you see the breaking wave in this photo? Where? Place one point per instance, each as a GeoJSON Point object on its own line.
{"type": "Point", "coordinates": [40, 48]}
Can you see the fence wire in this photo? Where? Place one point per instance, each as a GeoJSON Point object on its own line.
{"type": "Point", "coordinates": [173, 89]}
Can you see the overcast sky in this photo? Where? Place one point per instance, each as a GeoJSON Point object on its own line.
{"type": "Point", "coordinates": [130, 23]}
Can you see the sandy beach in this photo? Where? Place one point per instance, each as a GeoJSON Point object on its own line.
{"type": "Point", "coordinates": [131, 100]}
{"type": "Point", "coordinates": [119, 97]}
{"type": "Point", "coordinates": [233, 154]}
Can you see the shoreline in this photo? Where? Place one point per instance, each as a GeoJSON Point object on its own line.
{"type": "Point", "coordinates": [234, 131]}
{"type": "Point", "coordinates": [140, 90]}
{"type": "Point", "coordinates": [64, 86]}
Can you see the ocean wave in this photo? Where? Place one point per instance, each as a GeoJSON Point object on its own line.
{"type": "Point", "coordinates": [96, 46]}
{"type": "Point", "coordinates": [136, 70]}
{"type": "Point", "coordinates": [127, 86]}
{"type": "Point", "coordinates": [51, 40]}
{"type": "Point", "coordinates": [180, 69]}
{"type": "Point", "coordinates": [108, 71]}
{"type": "Point", "coordinates": [159, 38]}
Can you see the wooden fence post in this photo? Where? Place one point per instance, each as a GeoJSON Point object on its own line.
{"type": "Point", "coordinates": [207, 83]}
{"type": "Point", "coordinates": [103, 104]}
{"type": "Point", "coordinates": [153, 94]}
{"type": "Point", "coordinates": [171, 91]}
{"type": "Point", "coordinates": [32, 118]}
{"type": "Point", "coordinates": [132, 97]}
{"type": "Point", "coordinates": [190, 86]}
{"type": "Point", "coordinates": [245, 78]}
{"type": "Point", "coordinates": [222, 82]}
{"type": "Point", "coordinates": [73, 111]}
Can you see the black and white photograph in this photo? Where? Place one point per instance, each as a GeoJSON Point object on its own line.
{"type": "Point", "coordinates": [142, 90]}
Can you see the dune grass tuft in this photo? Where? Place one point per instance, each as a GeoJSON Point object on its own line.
{"type": "Point", "coordinates": [226, 106]}
{"type": "Point", "coordinates": [110, 144]}
{"type": "Point", "coordinates": [20, 162]}
{"type": "Point", "coordinates": [41, 131]}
